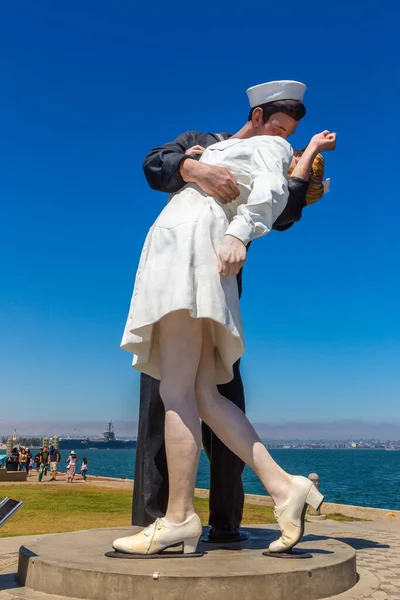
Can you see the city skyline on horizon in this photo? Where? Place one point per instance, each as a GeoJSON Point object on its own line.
{"type": "Point", "coordinates": [340, 429]}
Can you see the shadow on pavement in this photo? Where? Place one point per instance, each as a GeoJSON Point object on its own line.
{"type": "Point", "coordinates": [259, 539]}
{"type": "Point", "coordinates": [8, 581]}
{"type": "Point", "coordinates": [354, 542]}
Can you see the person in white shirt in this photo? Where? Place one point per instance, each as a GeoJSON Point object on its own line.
{"type": "Point", "coordinates": [184, 325]}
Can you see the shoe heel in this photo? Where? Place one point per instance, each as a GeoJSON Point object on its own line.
{"type": "Point", "coordinates": [314, 498]}
{"type": "Point", "coordinates": [190, 544]}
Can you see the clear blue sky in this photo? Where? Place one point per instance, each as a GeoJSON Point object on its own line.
{"type": "Point", "coordinates": [87, 88]}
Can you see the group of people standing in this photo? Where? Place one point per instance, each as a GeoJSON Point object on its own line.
{"type": "Point", "coordinates": [46, 459]}
{"type": "Point", "coordinates": [72, 462]}
{"type": "Point", "coordinates": [20, 459]}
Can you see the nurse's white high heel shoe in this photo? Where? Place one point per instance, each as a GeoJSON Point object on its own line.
{"type": "Point", "coordinates": [161, 535]}
{"type": "Point", "coordinates": [291, 516]}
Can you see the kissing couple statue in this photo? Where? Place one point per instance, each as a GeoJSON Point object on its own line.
{"type": "Point", "coordinates": [184, 326]}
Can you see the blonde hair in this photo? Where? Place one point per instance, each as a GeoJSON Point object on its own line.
{"type": "Point", "coordinates": [316, 188]}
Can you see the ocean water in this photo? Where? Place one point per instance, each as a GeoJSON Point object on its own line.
{"type": "Point", "coordinates": [360, 477]}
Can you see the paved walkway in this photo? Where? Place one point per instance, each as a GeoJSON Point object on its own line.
{"type": "Point", "coordinates": [61, 480]}
{"type": "Point", "coordinates": [378, 559]}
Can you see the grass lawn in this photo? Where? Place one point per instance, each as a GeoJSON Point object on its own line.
{"type": "Point", "coordinates": [56, 509]}
{"type": "Point", "coordinates": [339, 517]}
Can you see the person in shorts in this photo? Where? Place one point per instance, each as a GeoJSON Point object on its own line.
{"type": "Point", "coordinates": [54, 459]}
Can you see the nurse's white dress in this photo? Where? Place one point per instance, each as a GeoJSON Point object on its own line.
{"type": "Point", "coordinates": [178, 267]}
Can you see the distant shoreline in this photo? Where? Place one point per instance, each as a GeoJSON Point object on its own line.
{"type": "Point", "coordinates": [77, 447]}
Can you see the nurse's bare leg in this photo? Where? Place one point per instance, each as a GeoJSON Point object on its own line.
{"type": "Point", "coordinates": [180, 346]}
{"type": "Point", "coordinates": [232, 427]}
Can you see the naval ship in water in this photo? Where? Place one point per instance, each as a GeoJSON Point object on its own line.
{"type": "Point", "coordinates": [107, 441]}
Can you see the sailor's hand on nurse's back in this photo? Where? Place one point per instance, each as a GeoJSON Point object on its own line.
{"type": "Point", "coordinates": [232, 256]}
{"type": "Point", "coordinates": [216, 181]}
{"type": "Point", "coordinates": [324, 141]}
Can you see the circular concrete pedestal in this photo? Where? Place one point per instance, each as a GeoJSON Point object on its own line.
{"type": "Point", "coordinates": [74, 565]}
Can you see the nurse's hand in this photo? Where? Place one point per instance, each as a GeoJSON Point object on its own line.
{"type": "Point", "coordinates": [215, 181]}
{"type": "Point", "coordinates": [324, 141]}
{"type": "Point", "coordinates": [232, 256]}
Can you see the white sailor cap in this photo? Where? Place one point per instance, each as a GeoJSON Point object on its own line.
{"type": "Point", "coordinates": [275, 90]}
